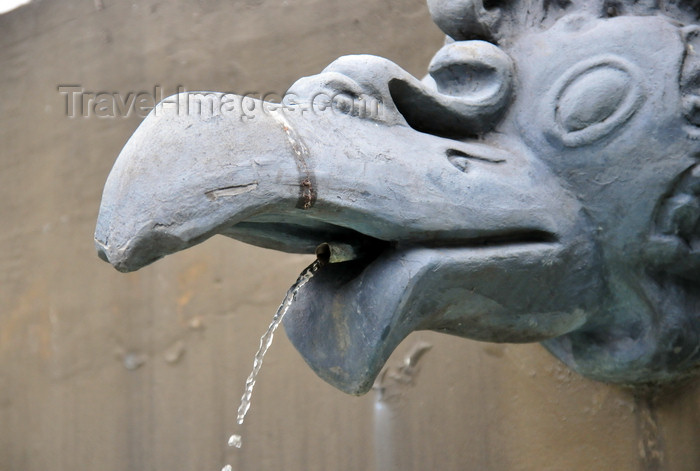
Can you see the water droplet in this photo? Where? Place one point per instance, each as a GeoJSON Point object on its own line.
{"type": "Point", "coordinates": [175, 352]}
{"type": "Point", "coordinates": [227, 468]}
{"type": "Point", "coordinates": [133, 361]}
{"type": "Point", "coordinates": [196, 323]}
{"type": "Point", "coordinates": [235, 440]}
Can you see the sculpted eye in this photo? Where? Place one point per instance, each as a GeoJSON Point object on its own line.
{"type": "Point", "coordinates": [593, 98]}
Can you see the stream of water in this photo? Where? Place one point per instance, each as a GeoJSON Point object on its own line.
{"type": "Point", "coordinates": [266, 341]}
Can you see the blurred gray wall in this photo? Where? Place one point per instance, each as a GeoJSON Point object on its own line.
{"type": "Point", "coordinates": [113, 372]}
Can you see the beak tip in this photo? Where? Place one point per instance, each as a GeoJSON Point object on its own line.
{"type": "Point", "coordinates": [111, 257]}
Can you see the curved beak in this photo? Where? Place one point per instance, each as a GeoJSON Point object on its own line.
{"type": "Point", "coordinates": [443, 222]}
{"type": "Point", "coordinates": [292, 181]}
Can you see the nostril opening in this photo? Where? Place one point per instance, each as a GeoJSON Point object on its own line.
{"type": "Point", "coordinates": [425, 114]}
{"type": "Point", "coordinates": [458, 159]}
{"type": "Point", "coordinates": [470, 89]}
{"type": "Point", "coordinates": [462, 160]}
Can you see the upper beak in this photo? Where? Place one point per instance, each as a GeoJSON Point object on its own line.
{"type": "Point", "coordinates": [292, 180]}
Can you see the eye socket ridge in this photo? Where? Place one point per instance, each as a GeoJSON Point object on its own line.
{"type": "Point", "coordinates": [593, 98]}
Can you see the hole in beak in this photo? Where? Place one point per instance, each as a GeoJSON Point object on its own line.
{"type": "Point", "coordinates": [458, 159]}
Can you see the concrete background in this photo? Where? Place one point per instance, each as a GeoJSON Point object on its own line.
{"type": "Point", "coordinates": [101, 370]}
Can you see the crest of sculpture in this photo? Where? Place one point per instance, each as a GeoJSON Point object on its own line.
{"type": "Point", "coordinates": [540, 184]}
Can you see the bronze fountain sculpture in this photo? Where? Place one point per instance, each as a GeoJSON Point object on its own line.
{"type": "Point", "coordinates": [541, 184]}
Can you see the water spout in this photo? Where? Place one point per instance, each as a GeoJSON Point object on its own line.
{"type": "Point", "coordinates": [331, 252]}
{"type": "Point", "coordinates": [266, 339]}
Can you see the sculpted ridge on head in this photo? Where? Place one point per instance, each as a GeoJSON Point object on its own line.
{"type": "Point", "coordinates": [540, 184]}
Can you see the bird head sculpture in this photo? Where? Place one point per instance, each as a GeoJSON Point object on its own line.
{"type": "Point", "coordinates": [539, 185]}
